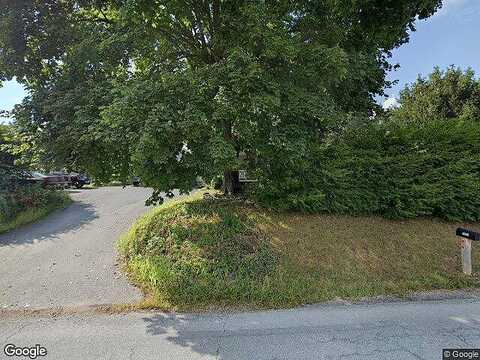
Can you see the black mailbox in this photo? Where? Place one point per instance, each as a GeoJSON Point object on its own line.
{"type": "Point", "coordinates": [469, 234]}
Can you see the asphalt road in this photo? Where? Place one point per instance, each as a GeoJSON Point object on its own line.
{"type": "Point", "coordinates": [69, 258]}
{"type": "Point", "coordinates": [403, 331]}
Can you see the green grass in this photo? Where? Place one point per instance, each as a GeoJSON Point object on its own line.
{"type": "Point", "coordinates": [196, 254]}
{"type": "Point", "coordinates": [34, 214]}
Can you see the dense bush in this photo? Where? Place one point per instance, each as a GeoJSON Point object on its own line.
{"type": "Point", "coordinates": [10, 182]}
{"type": "Point", "coordinates": [217, 182]}
{"type": "Point", "coordinates": [17, 196]}
{"type": "Point", "coordinates": [397, 170]}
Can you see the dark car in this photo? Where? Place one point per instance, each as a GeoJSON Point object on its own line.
{"type": "Point", "coordinates": [79, 180]}
{"type": "Point", "coordinates": [136, 181]}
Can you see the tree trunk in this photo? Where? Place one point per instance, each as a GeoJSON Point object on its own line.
{"type": "Point", "coordinates": [231, 183]}
{"type": "Point", "coordinates": [227, 182]}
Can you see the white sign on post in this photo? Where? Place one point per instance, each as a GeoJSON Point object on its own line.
{"type": "Point", "coordinates": [467, 256]}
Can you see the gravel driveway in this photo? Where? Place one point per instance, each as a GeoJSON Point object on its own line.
{"type": "Point", "coordinates": [69, 258]}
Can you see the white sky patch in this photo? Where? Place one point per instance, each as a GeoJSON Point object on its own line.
{"type": "Point", "coordinates": [390, 103]}
{"type": "Point", "coordinates": [451, 5]}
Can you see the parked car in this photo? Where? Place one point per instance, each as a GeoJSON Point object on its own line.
{"type": "Point", "coordinates": [79, 180]}
{"type": "Point", "coordinates": [51, 180]}
{"type": "Point", "coordinates": [136, 181]}
{"type": "Point", "coordinates": [62, 175]}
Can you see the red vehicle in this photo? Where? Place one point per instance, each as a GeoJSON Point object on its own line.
{"type": "Point", "coordinates": [53, 180]}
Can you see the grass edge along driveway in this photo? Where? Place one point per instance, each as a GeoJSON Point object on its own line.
{"type": "Point", "coordinates": [195, 254]}
{"type": "Point", "coordinates": [59, 200]}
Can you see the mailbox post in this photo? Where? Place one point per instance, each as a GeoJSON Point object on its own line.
{"type": "Point", "coordinates": [468, 236]}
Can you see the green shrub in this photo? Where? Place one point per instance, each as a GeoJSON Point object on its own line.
{"type": "Point", "coordinates": [17, 197]}
{"type": "Point", "coordinates": [394, 170]}
{"type": "Point", "coordinates": [198, 252]}
{"type": "Point", "coordinates": [217, 182]}
{"type": "Point", "coordinates": [4, 207]}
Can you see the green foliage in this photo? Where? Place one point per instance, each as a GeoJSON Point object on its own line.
{"type": "Point", "coordinates": [11, 178]}
{"type": "Point", "coordinates": [5, 156]}
{"type": "Point", "coordinates": [16, 147]}
{"type": "Point", "coordinates": [198, 252]}
{"type": "Point", "coordinates": [172, 92]}
{"type": "Point", "coordinates": [21, 202]}
{"type": "Point", "coordinates": [217, 182]}
{"type": "Point", "coordinates": [395, 169]}
{"type": "Point", "coordinates": [442, 95]}
{"type": "Point", "coordinates": [56, 200]}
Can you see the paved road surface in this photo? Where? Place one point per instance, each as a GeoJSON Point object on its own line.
{"type": "Point", "coordinates": [398, 331]}
{"type": "Point", "coordinates": [69, 258]}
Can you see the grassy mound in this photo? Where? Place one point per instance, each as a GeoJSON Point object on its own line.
{"type": "Point", "coordinates": [193, 254]}
{"type": "Point", "coordinates": [199, 253]}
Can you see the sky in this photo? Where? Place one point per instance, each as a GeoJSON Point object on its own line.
{"type": "Point", "coordinates": [450, 37]}
{"type": "Point", "coordinates": [10, 94]}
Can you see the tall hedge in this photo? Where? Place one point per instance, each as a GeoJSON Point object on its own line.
{"type": "Point", "coordinates": [395, 170]}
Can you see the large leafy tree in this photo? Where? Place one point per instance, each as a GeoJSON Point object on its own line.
{"type": "Point", "coordinates": [170, 90]}
{"type": "Point", "coordinates": [17, 148]}
{"type": "Point", "coordinates": [5, 157]}
{"type": "Point", "coordinates": [452, 93]}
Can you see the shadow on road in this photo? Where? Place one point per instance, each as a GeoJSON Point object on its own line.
{"type": "Point", "coordinates": [61, 221]}
{"type": "Point", "coordinates": [184, 333]}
